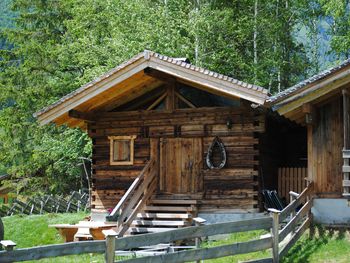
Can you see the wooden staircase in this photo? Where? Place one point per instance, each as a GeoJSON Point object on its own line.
{"type": "Point", "coordinates": [141, 211]}
{"type": "Point", "coordinates": [162, 215]}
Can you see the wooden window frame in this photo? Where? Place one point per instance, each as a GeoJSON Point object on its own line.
{"type": "Point", "coordinates": [111, 149]}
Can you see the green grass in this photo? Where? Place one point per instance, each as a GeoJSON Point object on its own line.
{"type": "Point", "coordinates": [327, 246]}
{"type": "Point", "coordinates": [239, 237]}
{"type": "Point", "coordinates": [30, 231]}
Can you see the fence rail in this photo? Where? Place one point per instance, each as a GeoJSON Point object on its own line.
{"type": "Point", "coordinates": [284, 224]}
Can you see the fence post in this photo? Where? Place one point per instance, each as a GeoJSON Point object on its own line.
{"type": "Point", "coordinates": [198, 222]}
{"type": "Point", "coordinates": [110, 245]}
{"type": "Point", "coordinates": [275, 234]}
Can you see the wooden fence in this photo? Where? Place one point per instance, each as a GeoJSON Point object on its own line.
{"type": "Point", "coordinates": [76, 202]}
{"type": "Point", "coordinates": [291, 179]}
{"type": "Point", "coordinates": [287, 224]}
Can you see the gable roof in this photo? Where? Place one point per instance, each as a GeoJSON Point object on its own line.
{"type": "Point", "coordinates": [115, 84]}
{"type": "Point", "coordinates": [311, 89]}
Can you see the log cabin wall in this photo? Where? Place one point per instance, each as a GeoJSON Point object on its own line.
{"type": "Point", "coordinates": [325, 144]}
{"type": "Point", "coordinates": [233, 188]}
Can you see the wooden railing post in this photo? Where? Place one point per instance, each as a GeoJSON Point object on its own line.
{"type": "Point", "coordinates": [110, 245]}
{"type": "Point", "coordinates": [275, 234]}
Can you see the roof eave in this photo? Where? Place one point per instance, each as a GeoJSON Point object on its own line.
{"type": "Point", "coordinates": [311, 92]}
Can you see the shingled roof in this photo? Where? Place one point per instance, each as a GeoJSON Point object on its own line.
{"type": "Point", "coordinates": [303, 84]}
{"type": "Point", "coordinates": [179, 68]}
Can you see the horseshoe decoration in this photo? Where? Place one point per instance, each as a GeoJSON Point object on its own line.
{"type": "Point", "coordinates": [216, 143]}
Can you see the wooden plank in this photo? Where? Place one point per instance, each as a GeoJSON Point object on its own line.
{"type": "Point", "coordinates": [292, 206]}
{"type": "Point", "coordinates": [159, 223]}
{"type": "Point", "coordinates": [168, 208]}
{"type": "Point", "coordinates": [35, 253]}
{"type": "Point", "coordinates": [346, 119]}
{"type": "Point", "coordinates": [148, 193]}
{"type": "Point", "coordinates": [293, 222]}
{"type": "Point", "coordinates": [193, 232]}
{"type": "Point", "coordinates": [284, 172]}
{"type": "Point", "coordinates": [295, 237]}
{"type": "Point", "coordinates": [279, 180]}
{"type": "Point", "coordinates": [157, 101]}
{"type": "Point", "coordinates": [177, 202]}
{"type": "Point", "coordinates": [131, 188]}
{"type": "Point", "coordinates": [164, 215]}
{"type": "Point", "coordinates": [208, 253]}
{"type": "Point", "coordinates": [186, 101]}
{"type": "Point", "coordinates": [136, 229]}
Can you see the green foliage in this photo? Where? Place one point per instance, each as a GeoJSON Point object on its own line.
{"type": "Point", "coordinates": [57, 46]}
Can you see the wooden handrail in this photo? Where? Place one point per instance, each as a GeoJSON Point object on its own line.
{"type": "Point", "coordinates": [132, 187]}
{"type": "Point", "coordinates": [136, 196]}
{"type": "Point", "coordinates": [297, 201]}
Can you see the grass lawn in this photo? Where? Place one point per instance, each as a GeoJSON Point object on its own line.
{"type": "Point", "coordinates": [30, 231]}
{"type": "Point", "coordinates": [327, 246]}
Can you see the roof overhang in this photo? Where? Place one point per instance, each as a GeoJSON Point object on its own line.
{"type": "Point", "coordinates": [129, 80]}
{"type": "Point", "coordinates": [292, 105]}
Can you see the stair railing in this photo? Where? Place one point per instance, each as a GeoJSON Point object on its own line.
{"type": "Point", "coordinates": [136, 197]}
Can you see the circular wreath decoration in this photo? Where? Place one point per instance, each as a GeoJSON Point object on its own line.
{"type": "Point", "coordinates": [216, 143]}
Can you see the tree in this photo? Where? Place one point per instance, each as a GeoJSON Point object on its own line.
{"type": "Point", "coordinates": [60, 45]}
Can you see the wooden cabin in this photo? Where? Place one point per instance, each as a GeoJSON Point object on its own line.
{"type": "Point", "coordinates": [321, 104]}
{"type": "Point", "coordinates": [170, 138]}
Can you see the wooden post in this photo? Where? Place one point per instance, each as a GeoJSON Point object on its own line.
{"type": "Point", "coordinates": [312, 225]}
{"type": "Point", "coordinates": [346, 174]}
{"type": "Point", "coordinates": [275, 234]}
{"type": "Point", "coordinates": [110, 245]}
{"type": "Point", "coordinates": [346, 118]}
{"type": "Point", "coordinates": [293, 196]}
{"type": "Point", "coordinates": [170, 99]}
{"type": "Point", "coordinates": [198, 222]}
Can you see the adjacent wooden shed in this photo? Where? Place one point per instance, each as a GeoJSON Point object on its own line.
{"type": "Point", "coordinates": [321, 103]}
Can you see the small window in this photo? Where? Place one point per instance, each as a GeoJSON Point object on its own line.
{"type": "Point", "coordinates": [122, 150]}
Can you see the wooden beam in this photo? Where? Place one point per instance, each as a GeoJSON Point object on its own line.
{"type": "Point", "coordinates": [158, 75]}
{"type": "Point", "coordinates": [186, 101]}
{"type": "Point", "coordinates": [82, 115]}
{"type": "Point", "coordinates": [170, 98]}
{"type": "Point", "coordinates": [157, 101]}
{"type": "Point", "coordinates": [346, 118]}
{"type": "Point", "coordinates": [310, 116]}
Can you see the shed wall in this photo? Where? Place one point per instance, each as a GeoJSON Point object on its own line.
{"type": "Point", "coordinates": [233, 188]}
{"type": "Point", "coordinates": [325, 144]}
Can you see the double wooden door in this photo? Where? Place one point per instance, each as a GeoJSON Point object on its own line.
{"type": "Point", "coordinates": [180, 162]}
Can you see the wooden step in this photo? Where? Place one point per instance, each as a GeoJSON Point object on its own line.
{"type": "Point", "coordinates": [164, 215]}
{"type": "Point", "coordinates": [169, 208]}
{"type": "Point", "coordinates": [159, 223]}
{"type": "Point", "coordinates": [140, 230]}
{"type": "Point", "coordinates": [174, 202]}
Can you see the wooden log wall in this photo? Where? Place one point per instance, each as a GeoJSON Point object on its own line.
{"type": "Point", "coordinates": [325, 145]}
{"type": "Point", "coordinates": [233, 188]}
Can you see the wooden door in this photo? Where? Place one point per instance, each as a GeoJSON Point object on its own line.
{"type": "Point", "coordinates": [180, 165]}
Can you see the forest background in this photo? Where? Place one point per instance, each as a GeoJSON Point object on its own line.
{"type": "Point", "coordinates": [51, 47]}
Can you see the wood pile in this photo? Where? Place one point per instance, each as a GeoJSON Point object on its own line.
{"type": "Point", "coordinates": [75, 202]}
